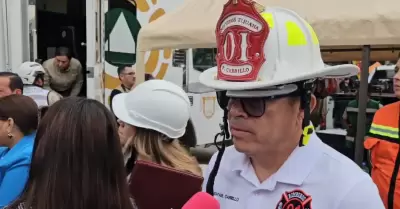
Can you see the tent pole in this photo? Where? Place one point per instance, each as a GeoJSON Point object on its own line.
{"type": "Point", "coordinates": [140, 67]}
{"type": "Point", "coordinates": [140, 60]}
{"type": "Point", "coordinates": [362, 106]}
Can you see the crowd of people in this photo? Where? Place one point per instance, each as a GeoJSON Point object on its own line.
{"type": "Point", "coordinates": [77, 149]}
{"type": "Point", "coordinates": [52, 142]}
{"type": "Point", "coordinates": [72, 153]}
{"type": "Point", "coordinates": [58, 77]}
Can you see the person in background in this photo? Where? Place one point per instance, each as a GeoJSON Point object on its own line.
{"type": "Point", "coordinates": [350, 116]}
{"type": "Point", "coordinates": [148, 77]}
{"type": "Point", "coordinates": [80, 168]}
{"type": "Point", "coordinates": [32, 75]}
{"type": "Point", "coordinates": [318, 115]}
{"type": "Point", "coordinates": [126, 75]}
{"type": "Point", "coordinates": [63, 73]}
{"type": "Point", "coordinates": [10, 83]}
{"type": "Point", "coordinates": [18, 123]}
{"type": "Point", "coordinates": [152, 117]}
{"type": "Point", "coordinates": [383, 145]}
{"type": "Point", "coordinates": [346, 86]}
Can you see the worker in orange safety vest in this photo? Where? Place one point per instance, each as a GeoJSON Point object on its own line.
{"type": "Point", "coordinates": [383, 142]}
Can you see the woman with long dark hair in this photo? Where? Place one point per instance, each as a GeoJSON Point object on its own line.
{"type": "Point", "coordinates": [77, 161]}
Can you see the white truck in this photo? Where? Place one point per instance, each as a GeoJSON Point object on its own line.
{"type": "Point", "coordinates": [103, 35]}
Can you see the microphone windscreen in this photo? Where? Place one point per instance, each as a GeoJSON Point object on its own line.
{"type": "Point", "coordinates": [201, 200]}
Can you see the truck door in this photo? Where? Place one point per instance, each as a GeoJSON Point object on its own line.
{"type": "Point", "coordinates": [14, 38]}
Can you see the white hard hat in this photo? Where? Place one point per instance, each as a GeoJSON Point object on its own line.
{"type": "Point", "coordinates": [262, 50]}
{"type": "Point", "coordinates": [28, 71]}
{"type": "Point", "coordinates": [155, 104]}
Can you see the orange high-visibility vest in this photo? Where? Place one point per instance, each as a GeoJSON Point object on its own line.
{"type": "Point", "coordinates": [383, 142]}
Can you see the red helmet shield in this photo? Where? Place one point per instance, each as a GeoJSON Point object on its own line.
{"type": "Point", "coordinates": [241, 34]}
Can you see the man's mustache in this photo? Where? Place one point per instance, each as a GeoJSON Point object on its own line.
{"type": "Point", "coordinates": [238, 123]}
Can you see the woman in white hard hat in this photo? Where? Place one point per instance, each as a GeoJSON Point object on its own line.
{"type": "Point", "coordinates": [267, 63]}
{"type": "Point", "coordinates": [32, 75]}
{"type": "Point", "coordinates": [152, 117]}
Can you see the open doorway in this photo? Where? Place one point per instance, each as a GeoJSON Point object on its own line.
{"type": "Point", "coordinates": [62, 23]}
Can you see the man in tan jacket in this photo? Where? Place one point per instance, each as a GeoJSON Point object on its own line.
{"type": "Point", "coordinates": [63, 73]}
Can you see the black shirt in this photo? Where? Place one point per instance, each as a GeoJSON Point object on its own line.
{"type": "Point", "coordinates": [114, 92]}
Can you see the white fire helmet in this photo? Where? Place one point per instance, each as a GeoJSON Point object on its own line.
{"type": "Point", "coordinates": [264, 50]}
{"type": "Point", "coordinates": [267, 54]}
{"type": "Point", "coordinates": [28, 71]}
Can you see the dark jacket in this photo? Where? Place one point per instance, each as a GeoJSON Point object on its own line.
{"type": "Point", "coordinates": [121, 88]}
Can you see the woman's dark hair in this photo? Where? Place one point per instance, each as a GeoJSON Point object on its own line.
{"type": "Point", "coordinates": [77, 160]}
{"type": "Point", "coordinates": [22, 109]}
{"type": "Point", "coordinates": [43, 110]}
{"type": "Point", "coordinates": [148, 77]}
{"type": "Point", "coordinates": [64, 51]}
{"type": "Point", "coordinates": [189, 138]}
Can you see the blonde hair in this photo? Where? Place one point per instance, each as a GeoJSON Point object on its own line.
{"type": "Point", "coordinates": [153, 146]}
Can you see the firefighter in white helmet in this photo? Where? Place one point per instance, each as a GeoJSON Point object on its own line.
{"type": "Point", "coordinates": [32, 75]}
{"type": "Point", "coordinates": [266, 65]}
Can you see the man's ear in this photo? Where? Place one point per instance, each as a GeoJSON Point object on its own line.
{"type": "Point", "coordinates": [313, 103]}
{"type": "Point", "coordinates": [18, 91]}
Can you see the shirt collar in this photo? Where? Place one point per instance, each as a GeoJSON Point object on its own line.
{"type": "Point", "coordinates": [300, 162]}
{"type": "Point", "coordinates": [294, 171]}
{"type": "Point", "coordinates": [126, 89]}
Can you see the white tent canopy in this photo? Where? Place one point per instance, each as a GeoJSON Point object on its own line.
{"type": "Point", "coordinates": [339, 24]}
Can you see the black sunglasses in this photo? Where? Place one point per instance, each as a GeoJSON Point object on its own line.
{"type": "Point", "coordinates": [254, 107]}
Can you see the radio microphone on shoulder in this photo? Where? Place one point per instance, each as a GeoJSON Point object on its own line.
{"type": "Point", "coordinates": [201, 200]}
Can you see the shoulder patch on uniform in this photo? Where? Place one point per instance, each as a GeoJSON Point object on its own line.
{"type": "Point", "coordinates": [296, 199]}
